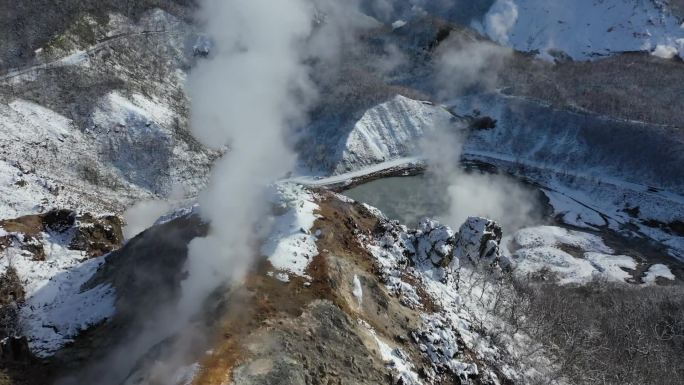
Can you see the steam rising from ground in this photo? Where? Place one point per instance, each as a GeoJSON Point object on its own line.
{"type": "Point", "coordinates": [245, 97]}
{"type": "Point", "coordinates": [142, 215]}
{"type": "Point", "coordinates": [463, 66]}
{"type": "Point", "coordinates": [473, 193]}
{"type": "Point", "coordinates": [501, 19]}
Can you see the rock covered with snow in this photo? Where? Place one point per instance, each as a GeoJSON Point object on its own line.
{"type": "Point", "coordinates": [434, 242]}
{"type": "Point", "coordinates": [441, 342]}
{"type": "Point", "coordinates": [478, 241]}
{"type": "Point", "coordinates": [424, 267]}
{"type": "Point", "coordinates": [52, 257]}
{"type": "Point", "coordinates": [435, 246]}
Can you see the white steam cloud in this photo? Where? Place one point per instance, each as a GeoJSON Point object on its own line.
{"type": "Point", "coordinates": [500, 20]}
{"type": "Point", "coordinates": [493, 196]}
{"type": "Point", "coordinates": [462, 66]}
{"type": "Point", "coordinates": [246, 96]}
{"type": "Point", "coordinates": [142, 215]}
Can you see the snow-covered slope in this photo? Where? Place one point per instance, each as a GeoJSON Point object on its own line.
{"type": "Point", "coordinates": [101, 125]}
{"type": "Point", "coordinates": [390, 130]}
{"type": "Point", "coordinates": [51, 256]}
{"type": "Point", "coordinates": [129, 152]}
{"type": "Point", "coordinates": [577, 143]}
{"type": "Point", "coordinates": [584, 29]}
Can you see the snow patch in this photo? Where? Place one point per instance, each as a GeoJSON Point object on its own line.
{"type": "Point", "coordinates": [548, 249]}
{"type": "Point", "coordinates": [32, 122]}
{"type": "Point", "coordinates": [555, 236]}
{"type": "Point", "coordinates": [291, 246]}
{"type": "Point", "coordinates": [57, 309]}
{"type": "Point", "coordinates": [115, 109]}
{"type": "Point", "coordinates": [612, 267]}
{"type": "Point", "coordinates": [582, 29]}
{"type": "Point", "coordinates": [655, 271]}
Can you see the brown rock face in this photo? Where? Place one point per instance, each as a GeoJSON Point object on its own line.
{"type": "Point", "coordinates": [97, 236]}
{"type": "Point", "coordinates": [15, 350]}
{"type": "Point", "coordinates": [11, 293]}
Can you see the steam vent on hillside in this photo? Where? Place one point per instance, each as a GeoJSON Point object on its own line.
{"type": "Point", "coordinates": [326, 192]}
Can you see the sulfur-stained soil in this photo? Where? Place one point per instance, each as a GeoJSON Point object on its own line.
{"type": "Point", "coordinates": [309, 330]}
{"type": "Point", "coordinates": [313, 331]}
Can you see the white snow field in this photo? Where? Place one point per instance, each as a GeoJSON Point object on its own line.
{"type": "Point", "coordinates": [585, 29]}
{"type": "Point", "coordinates": [574, 257]}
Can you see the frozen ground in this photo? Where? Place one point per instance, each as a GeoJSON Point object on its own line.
{"type": "Point", "coordinates": [291, 246]}
{"type": "Point", "coordinates": [573, 257]}
{"type": "Point", "coordinates": [56, 307]}
{"type": "Point", "coordinates": [585, 29]}
{"type": "Point", "coordinates": [99, 136]}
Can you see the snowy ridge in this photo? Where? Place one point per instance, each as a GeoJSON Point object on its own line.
{"type": "Point", "coordinates": [290, 247]}
{"type": "Point", "coordinates": [584, 29]}
{"type": "Point", "coordinates": [123, 143]}
{"type": "Point", "coordinates": [51, 163]}
{"type": "Point", "coordinates": [389, 131]}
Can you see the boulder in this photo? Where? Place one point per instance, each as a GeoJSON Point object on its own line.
{"type": "Point", "coordinates": [478, 241]}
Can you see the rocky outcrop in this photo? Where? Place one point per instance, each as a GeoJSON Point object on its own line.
{"type": "Point", "coordinates": [478, 241]}
{"type": "Point", "coordinates": [432, 243]}
{"type": "Point", "coordinates": [97, 235]}
{"type": "Point", "coordinates": [94, 235]}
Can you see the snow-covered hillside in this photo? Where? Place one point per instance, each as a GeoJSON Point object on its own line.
{"type": "Point", "coordinates": [585, 29]}
{"type": "Point", "coordinates": [128, 153]}
{"type": "Point", "coordinates": [87, 130]}
{"type": "Point", "coordinates": [577, 143]}
{"type": "Point", "coordinates": [390, 130]}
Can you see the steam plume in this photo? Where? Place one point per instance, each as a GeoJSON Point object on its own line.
{"type": "Point", "coordinates": [464, 66]}
{"type": "Point", "coordinates": [246, 96]}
